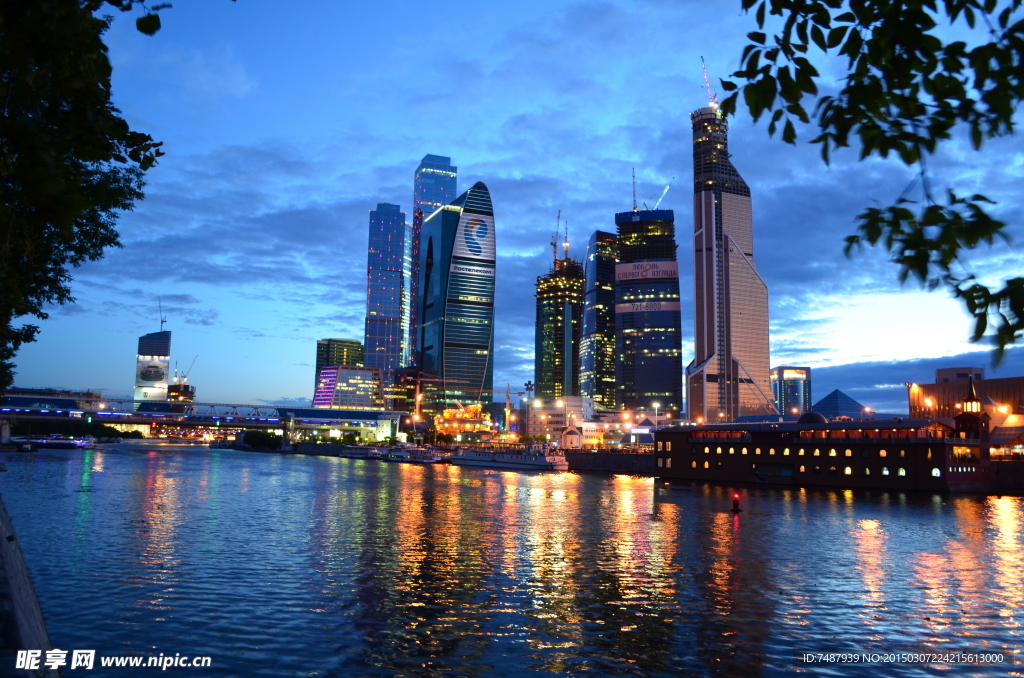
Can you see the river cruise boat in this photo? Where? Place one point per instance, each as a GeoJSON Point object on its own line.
{"type": "Point", "coordinates": [519, 456]}
{"type": "Point", "coordinates": [397, 454]}
{"type": "Point", "coordinates": [356, 451]}
{"type": "Point", "coordinates": [937, 455]}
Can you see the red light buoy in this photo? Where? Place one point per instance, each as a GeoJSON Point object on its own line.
{"type": "Point", "coordinates": [736, 503]}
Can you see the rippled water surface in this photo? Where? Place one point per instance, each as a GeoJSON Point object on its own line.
{"type": "Point", "coordinates": [313, 566]}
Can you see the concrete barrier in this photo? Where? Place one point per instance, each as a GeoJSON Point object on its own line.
{"type": "Point", "coordinates": [20, 606]}
{"type": "Point", "coordinates": [612, 462]}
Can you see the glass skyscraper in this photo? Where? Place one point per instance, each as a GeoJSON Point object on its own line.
{"type": "Point", "coordinates": [559, 329]}
{"type": "Point", "coordinates": [648, 339]}
{"type": "Point", "coordinates": [435, 185]}
{"type": "Point", "coordinates": [791, 387]}
{"type": "Point", "coordinates": [334, 352]}
{"type": "Point", "coordinates": [597, 346]}
{"type": "Point", "coordinates": [728, 377]}
{"type": "Point", "coordinates": [387, 301]}
{"type": "Point", "coordinates": [457, 263]}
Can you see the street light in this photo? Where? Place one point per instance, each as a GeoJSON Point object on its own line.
{"type": "Point", "coordinates": [656, 406]}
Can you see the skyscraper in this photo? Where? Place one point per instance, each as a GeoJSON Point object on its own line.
{"type": "Point", "coordinates": [456, 286]}
{"type": "Point", "coordinates": [559, 328]}
{"type": "Point", "coordinates": [435, 185]}
{"type": "Point", "coordinates": [152, 366]}
{"type": "Point", "coordinates": [791, 388]}
{"type": "Point", "coordinates": [387, 300]}
{"type": "Point", "coordinates": [648, 340]}
{"type": "Point", "coordinates": [728, 377]}
{"type": "Point", "coordinates": [597, 346]}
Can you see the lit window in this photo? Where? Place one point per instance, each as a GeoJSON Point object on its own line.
{"type": "Point", "coordinates": [847, 471]}
{"type": "Point", "coordinates": [801, 452]}
{"type": "Point", "coordinates": [849, 453]}
{"type": "Point", "coordinates": [668, 445]}
{"type": "Point", "coordinates": [707, 450]}
{"type": "Point", "coordinates": [936, 473]}
{"type": "Point", "coordinates": [903, 453]}
{"type": "Point", "coordinates": [668, 463]}
{"type": "Point", "coordinates": [901, 472]}
{"type": "Point", "coordinates": [801, 469]}
{"type": "Point", "coordinates": [867, 471]}
{"type": "Point", "coordinates": [744, 450]}
{"type": "Point", "coordinates": [707, 465]}
{"type": "Point", "coordinates": [771, 450]}
{"type": "Point", "coordinates": [831, 453]}
{"type": "Point", "coordinates": [881, 453]}
{"type": "Point", "coordinates": [718, 450]}
{"type": "Point", "coordinates": [785, 452]}
{"type": "Point", "coordinates": [885, 470]}
{"type": "Point", "coordinates": [693, 464]}
{"type": "Point", "coordinates": [732, 450]}
{"type": "Point", "coordinates": [817, 453]}
{"type": "Point", "coordinates": [757, 450]}
{"type": "Point", "coordinates": [660, 460]}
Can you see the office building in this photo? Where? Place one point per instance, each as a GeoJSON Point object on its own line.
{"type": "Point", "coordinates": [946, 375]}
{"type": "Point", "coordinates": [387, 292]}
{"type": "Point", "coordinates": [559, 328]}
{"type": "Point", "coordinates": [331, 352]}
{"type": "Point", "coordinates": [728, 377]}
{"type": "Point", "coordinates": [348, 387]}
{"type": "Point", "coordinates": [791, 388]}
{"type": "Point", "coordinates": [435, 184]}
{"type": "Point", "coordinates": [944, 398]}
{"type": "Point", "coordinates": [457, 266]}
{"type": "Point", "coordinates": [152, 367]}
{"type": "Point", "coordinates": [597, 345]}
{"type": "Point", "coordinates": [648, 340]}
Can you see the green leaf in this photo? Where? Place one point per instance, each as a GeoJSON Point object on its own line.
{"type": "Point", "coordinates": [789, 133]}
{"type": "Point", "coordinates": [728, 85]}
{"type": "Point", "coordinates": [148, 24]}
{"type": "Point", "coordinates": [818, 36]}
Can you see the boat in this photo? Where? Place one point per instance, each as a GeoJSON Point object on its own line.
{"type": "Point", "coordinates": [354, 451]}
{"type": "Point", "coordinates": [397, 454]}
{"type": "Point", "coordinates": [375, 452]}
{"type": "Point", "coordinates": [523, 457]}
{"type": "Point", "coordinates": [425, 455]}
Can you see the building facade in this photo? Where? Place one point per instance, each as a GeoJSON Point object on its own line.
{"type": "Point", "coordinates": [944, 399]}
{"type": "Point", "coordinates": [152, 367]}
{"type": "Point", "coordinates": [387, 292]}
{"type": "Point", "coordinates": [456, 293]}
{"type": "Point", "coordinates": [559, 328]}
{"type": "Point", "coordinates": [791, 388]}
{"type": "Point", "coordinates": [648, 337]}
{"type": "Point", "coordinates": [349, 387]}
{"type": "Point", "coordinates": [728, 377]}
{"type": "Point", "coordinates": [597, 344]}
{"type": "Point", "coordinates": [338, 352]}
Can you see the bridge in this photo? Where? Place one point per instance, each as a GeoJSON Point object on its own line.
{"type": "Point", "coordinates": [182, 415]}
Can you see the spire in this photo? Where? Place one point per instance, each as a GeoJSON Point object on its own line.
{"type": "Point", "coordinates": [635, 208]}
{"type": "Point", "coordinates": [565, 243]}
{"type": "Point", "coordinates": [971, 402]}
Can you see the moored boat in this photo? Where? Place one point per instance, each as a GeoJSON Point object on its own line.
{"type": "Point", "coordinates": [524, 457]}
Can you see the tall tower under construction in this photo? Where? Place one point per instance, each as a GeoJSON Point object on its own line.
{"type": "Point", "coordinates": [728, 377]}
{"type": "Point", "coordinates": [559, 327]}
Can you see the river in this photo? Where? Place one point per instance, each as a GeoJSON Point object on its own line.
{"type": "Point", "coordinates": [275, 565]}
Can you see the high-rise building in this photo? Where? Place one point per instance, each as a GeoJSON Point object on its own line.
{"type": "Point", "coordinates": [457, 263]}
{"type": "Point", "coordinates": [152, 366]}
{"type": "Point", "coordinates": [597, 346]}
{"type": "Point", "coordinates": [791, 387]}
{"type": "Point", "coordinates": [435, 185]}
{"type": "Point", "coordinates": [347, 387]}
{"type": "Point", "coordinates": [648, 339]}
{"type": "Point", "coordinates": [332, 352]}
{"type": "Point", "coordinates": [728, 377]}
{"type": "Point", "coordinates": [559, 328]}
{"type": "Point", "coordinates": [387, 292]}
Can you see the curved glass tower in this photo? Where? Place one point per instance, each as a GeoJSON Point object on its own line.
{"type": "Point", "coordinates": [597, 348]}
{"type": "Point", "coordinates": [456, 338]}
{"type": "Point", "coordinates": [728, 377]}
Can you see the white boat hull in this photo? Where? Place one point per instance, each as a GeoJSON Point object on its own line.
{"type": "Point", "coordinates": [522, 462]}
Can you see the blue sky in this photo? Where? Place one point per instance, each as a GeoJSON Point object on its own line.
{"type": "Point", "coordinates": [285, 123]}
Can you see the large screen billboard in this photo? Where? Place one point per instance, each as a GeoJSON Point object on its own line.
{"type": "Point", "coordinates": [152, 371]}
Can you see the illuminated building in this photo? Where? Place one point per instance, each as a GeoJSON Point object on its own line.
{"type": "Point", "coordinates": [597, 345]}
{"type": "Point", "coordinates": [647, 323]}
{"type": "Point", "coordinates": [469, 421]}
{"type": "Point", "coordinates": [791, 387]}
{"type": "Point", "coordinates": [387, 293]}
{"type": "Point", "coordinates": [152, 365]}
{"type": "Point", "coordinates": [435, 185]}
{"type": "Point", "coordinates": [456, 300]}
{"type": "Point", "coordinates": [728, 377]}
{"type": "Point", "coordinates": [559, 328]}
{"type": "Point", "coordinates": [349, 387]}
{"type": "Point", "coordinates": [944, 399]}
{"type": "Point", "coordinates": [338, 352]}
{"type": "Point", "coordinates": [549, 416]}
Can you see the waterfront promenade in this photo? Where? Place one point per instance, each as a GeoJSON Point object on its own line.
{"type": "Point", "coordinates": [292, 565]}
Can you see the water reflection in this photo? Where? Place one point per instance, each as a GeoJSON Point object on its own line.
{"type": "Point", "coordinates": [292, 565]}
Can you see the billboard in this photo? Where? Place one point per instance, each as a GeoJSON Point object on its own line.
{"type": "Point", "coordinates": [152, 371]}
{"type": "Point", "coordinates": [643, 271]}
{"type": "Point", "coordinates": [474, 238]}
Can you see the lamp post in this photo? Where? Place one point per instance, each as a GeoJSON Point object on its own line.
{"type": "Point", "coordinates": [656, 406]}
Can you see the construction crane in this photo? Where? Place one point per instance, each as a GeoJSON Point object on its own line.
{"type": "Point", "coordinates": [663, 193]}
{"type": "Point", "coordinates": [712, 97]}
{"type": "Point", "coordinates": [554, 237]}
{"type": "Point", "coordinates": [508, 400]}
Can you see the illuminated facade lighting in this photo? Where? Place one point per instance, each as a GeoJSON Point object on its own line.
{"type": "Point", "coordinates": [729, 373]}
{"type": "Point", "coordinates": [559, 328]}
{"type": "Point", "coordinates": [597, 345]}
{"type": "Point", "coordinates": [387, 293]}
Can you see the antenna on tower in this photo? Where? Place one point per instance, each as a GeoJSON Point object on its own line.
{"type": "Point", "coordinates": [554, 237]}
{"type": "Point", "coordinates": [635, 209]}
{"type": "Point", "coordinates": [712, 97]}
{"type": "Point", "coordinates": [160, 305]}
